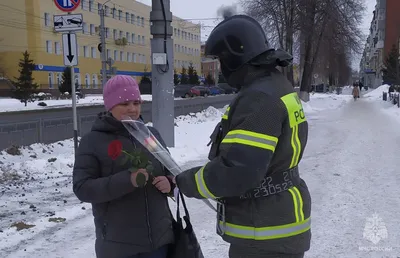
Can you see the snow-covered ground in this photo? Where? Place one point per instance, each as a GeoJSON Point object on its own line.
{"type": "Point", "coordinates": [9, 104]}
{"type": "Point", "coordinates": [350, 165]}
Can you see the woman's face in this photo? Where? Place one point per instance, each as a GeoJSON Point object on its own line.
{"type": "Point", "coordinates": [128, 108]}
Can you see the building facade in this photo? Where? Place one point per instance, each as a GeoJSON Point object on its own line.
{"type": "Point", "coordinates": [383, 33]}
{"type": "Point", "coordinates": [28, 25]}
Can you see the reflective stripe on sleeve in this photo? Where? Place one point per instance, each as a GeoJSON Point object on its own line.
{"type": "Point", "coordinates": [250, 138]}
{"type": "Point", "coordinates": [201, 185]}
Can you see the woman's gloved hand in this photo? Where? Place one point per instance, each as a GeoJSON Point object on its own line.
{"type": "Point", "coordinates": [139, 178]}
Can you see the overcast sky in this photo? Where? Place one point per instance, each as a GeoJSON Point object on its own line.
{"type": "Point", "coordinates": [205, 12]}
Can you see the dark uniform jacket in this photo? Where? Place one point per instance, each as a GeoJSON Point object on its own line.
{"type": "Point", "coordinates": [253, 169]}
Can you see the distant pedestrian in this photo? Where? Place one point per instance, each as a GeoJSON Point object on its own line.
{"type": "Point", "coordinates": [356, 92]}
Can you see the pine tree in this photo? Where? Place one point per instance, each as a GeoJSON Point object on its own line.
{"type": "Point", "coordinates": [184, 77]}
{"type": "Point", "coordinates": [391, 70]}
{"type": "Point", "coordinates": [176, 78]}
{"type": "Point", "coordinates": [192, 74]}
{"type": "Point", "coordinates": [66, 82]}
{"type": "Point", "coordinates": [210, 79]}
{"type": "Point", "coordinates": [25, 85]}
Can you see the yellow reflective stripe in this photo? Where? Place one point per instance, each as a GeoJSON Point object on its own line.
{"type": "Point", "coordinates": [225, 116]}
{"type": "Point", "coordinates": [296, 117]}
{"type": "Point", "coordinates": [266, 233]}
{"type": "Point", "coordinates": [201, 184]}
{"type": "Point", "coordinates": [250, 138]}
{"type": "Point", "coordinates": [297, 203]}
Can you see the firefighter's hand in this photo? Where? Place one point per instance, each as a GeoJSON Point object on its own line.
{"type": "Point", "coordinates": [162, 184]}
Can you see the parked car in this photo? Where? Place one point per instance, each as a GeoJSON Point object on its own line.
{"type": "Point", "coordinates": [198, 91]}
{"type": "Point", "coordinates": [216, 90]}
{"type": "Point", "coordinates": [228, 89]}
{"type": "Point", "coordinates": [182, 91]}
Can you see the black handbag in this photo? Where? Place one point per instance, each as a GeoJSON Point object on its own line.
{"type": "Point", "coordinates": [186, 244]}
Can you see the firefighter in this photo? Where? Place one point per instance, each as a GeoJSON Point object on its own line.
{"type": "Point", "coordinates": [263, 205]}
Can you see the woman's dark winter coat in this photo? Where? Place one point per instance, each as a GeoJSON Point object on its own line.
{"type": "Point", "coordinates": [128, 220]}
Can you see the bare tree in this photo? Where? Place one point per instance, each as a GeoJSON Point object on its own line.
{"type": "Point", "coordinates": [278, 18]}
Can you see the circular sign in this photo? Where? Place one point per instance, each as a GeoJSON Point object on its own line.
{"type": "Point", "coordinates": [40, 66]}
{"type": "Point", "coordinates": [67, 5]}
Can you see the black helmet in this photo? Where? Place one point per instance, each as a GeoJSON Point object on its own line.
{"type": "Point", "coordinates": [236, 41]}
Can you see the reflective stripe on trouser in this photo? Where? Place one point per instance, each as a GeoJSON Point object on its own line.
{"type": "Point", "coordinates": [225, 116]}
{"type": "Point", "coordinates": [201, 184]}
{"type": "Point", "coordinates": [250, 138]}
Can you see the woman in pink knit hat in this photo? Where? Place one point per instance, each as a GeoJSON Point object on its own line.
{"type": "Point", "coordinates": [130, 206]}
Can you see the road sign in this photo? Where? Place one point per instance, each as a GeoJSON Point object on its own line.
{"type": "Point", "coordinates": [70, 49]}
{"type": "Point", "coordinates": [67, 5]}
{"type": "Point", "coordinates": [68, 22]}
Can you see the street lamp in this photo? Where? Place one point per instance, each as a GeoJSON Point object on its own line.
{"type": "Point", "coordinates": [103, 45]}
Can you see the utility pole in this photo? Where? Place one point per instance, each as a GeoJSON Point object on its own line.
{"type": "Point", "coordinates": [74, 113]}
{"type": "Point", "coordinates": [103, 45]}
{"type": "Point", "coordinates": [162, 72]}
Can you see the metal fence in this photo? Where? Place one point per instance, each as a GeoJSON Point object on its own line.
{"type": "Point", "coordinates": [55, 124]}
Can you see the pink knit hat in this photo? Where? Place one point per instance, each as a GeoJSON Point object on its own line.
{"type": "Point", "coordinates": [119, 89]}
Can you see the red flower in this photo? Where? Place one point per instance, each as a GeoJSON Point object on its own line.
{"type": "Point", "coordinates": [114, 149]}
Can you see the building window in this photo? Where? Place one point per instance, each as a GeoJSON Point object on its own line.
{"type": "Point", "coordinates": [94, 52]}
{"type": "Point", "coordinates": [133, 38]}
{"type": "Point", "coordinates": [77, 79]}
{"type": "Point", "coordinates": [143, 43]}
{"type": "Point", "coordinates": [51, 80]}
{"type": "Point", "coordinates": [121, 56]}
{"type": "Point", "coordinates": [128, 38]}
{"type": "Point", "coordinates": [138, 21]}
{"type": "Point", "coordinates": [132, 18]}
{"type": "Point", "coordinates": [115, 34]}
{"type": "Point", "coordinates": [138, 39]}
{"type": "Point", "coordinates": [47, 20]}
{"type": "Point", "coordinates": [108, 53]}
{"type": "Point", "coordinates": [99, 6]}
{"type": "Point", "coordinates": [95, 81]}
{"type": "Point", "coordinates": [59, 78]}
{"type": "Point", "coordinates": [85, 51]}
{"type": "Point", "coordinates": [127, 17]}
{"type": "Point", "coordinates": [128, 57]}
{"type": "Point", "coordinates": [107, 32]}
{"type": "Point", "coordinates": [115, 55]}
{"type": "Point", "coordinates": [87, 81]}
{"type": "Point", "coordinates": [85, 28]}
{"type": "Point", "coordinates": [134, 57]}
{"type": "Point", "coordinates": [142, 20]}
{"type": "Point", "coordinates": [91, 5]}
{"type": "Point", "coordinates": [107, 9]}
{"type": "Point", "coordinates": [114, 13]}
{"type": "Point", "coordinates": [92, 29]}
{"type": "Point", "coordinates": [49, 47]}
{"type": "Point", "coordinates": [120, 15]}
{"type": "Point", "coordinates": [57, 48]}
{"type": "Point", "coordinates": [83, 4]}
{"type": "Point", "coordinates": [121, 34]}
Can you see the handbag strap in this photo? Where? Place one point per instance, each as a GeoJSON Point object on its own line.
{"type": "Point", "coordinates": [178, 216]}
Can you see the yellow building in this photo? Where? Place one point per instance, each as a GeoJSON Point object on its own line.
{"type": "Point", "coordinates": [28, 25]}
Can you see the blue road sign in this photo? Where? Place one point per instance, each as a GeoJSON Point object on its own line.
{"type": "Point", "coordinates": [67, 5]}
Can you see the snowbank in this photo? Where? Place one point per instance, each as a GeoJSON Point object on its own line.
{"type": "Point", "coordinates": [377, 93]}
{"type": "Point", "coordinates": [325, 101]}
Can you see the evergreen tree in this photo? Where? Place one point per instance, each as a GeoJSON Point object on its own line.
{"type": "Point", "coordinates": [221, 78]}
{"type": "Point", "coordinates": [145, 78]}
{"type": "Point", "coordinates": [176, 78]}
{"type": "Point", "coordinates": [391, 70]}
{"type": "Point", "coordinates": [25, 85]}
{"type": "Point", "coordinates": [192, 74]}
{"type": "Point", "coordinates": [184, 77]}
{"type": "Point", "coordinates": [66, 82]}
{"type": "Point", "coordinates": [210, 79]}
